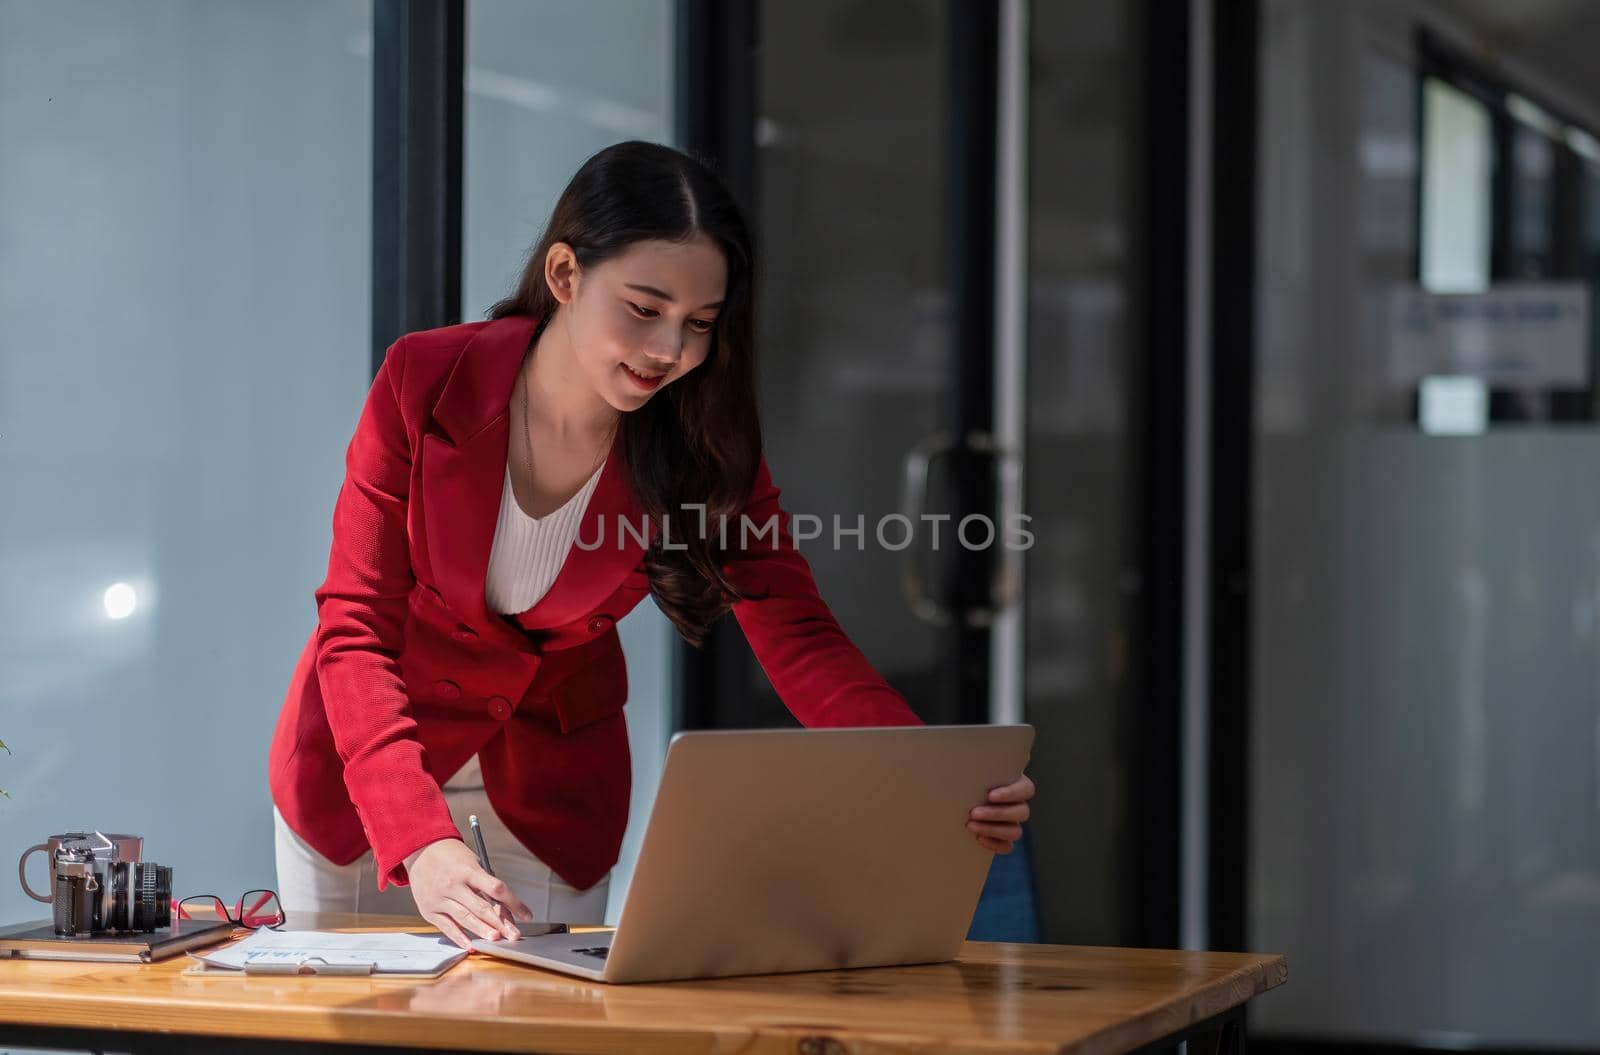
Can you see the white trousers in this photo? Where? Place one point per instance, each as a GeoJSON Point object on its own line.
{"type": "Point", "coordinates": [309, 882]}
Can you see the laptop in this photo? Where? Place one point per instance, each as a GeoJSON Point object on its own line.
{"type": "Point", "coordinates": [799, 850]}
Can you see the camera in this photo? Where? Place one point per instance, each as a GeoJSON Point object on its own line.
{"type": "Point", "coordinates": [98, 885]}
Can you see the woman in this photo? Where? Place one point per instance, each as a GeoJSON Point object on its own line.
{"type": "Point", "coordinates": [466, 657]}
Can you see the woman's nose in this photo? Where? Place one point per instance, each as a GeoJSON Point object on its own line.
{"type": "Point", "coordinates": [666, 351]}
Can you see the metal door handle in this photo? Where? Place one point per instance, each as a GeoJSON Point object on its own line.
{"type": "Point", "coordinates": [1005, 583]}
{"type": "Point", "coordinates": [913, 502]}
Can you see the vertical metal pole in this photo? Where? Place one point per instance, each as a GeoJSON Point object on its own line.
{"type": "Point", "coordinates": [1197, 492]}
{"type": "Point", "coordinates": [1010, 353]}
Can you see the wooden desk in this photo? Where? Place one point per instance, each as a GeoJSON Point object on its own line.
{"type": "Point", "coordinates": [995, 999]}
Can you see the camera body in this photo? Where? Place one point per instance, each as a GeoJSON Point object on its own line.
{"type": "Point", "coordinates": [95, 892]}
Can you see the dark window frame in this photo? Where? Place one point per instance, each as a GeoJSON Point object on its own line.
{"type": "Point", "coordinates": [716, 113]}
{"type": "Point", "coordinates": [1236, 34]}
{"type": "Point", "coordinates": [418, 91]}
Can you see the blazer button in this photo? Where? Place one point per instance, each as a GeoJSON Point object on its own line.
{"type": "Point", "coordinates": [447, 690]}
{"type": "Point", "coordinates": [600, 623]}
{"type": "Point", "coordinates": [499, 708]}
{"type": "Point", "coordinates": [463, 632]}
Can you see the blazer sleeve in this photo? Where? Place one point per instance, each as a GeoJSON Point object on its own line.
{"type": "Point", "coordinates": [821, 677]}
{"type": "Point", "coordinates": [361, 621]}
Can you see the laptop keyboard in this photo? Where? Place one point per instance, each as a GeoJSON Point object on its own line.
{"type": "Point", "coordinates": [598, 952]}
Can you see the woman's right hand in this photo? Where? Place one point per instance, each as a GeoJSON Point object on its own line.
{"type": "Point", "coordinates": [455, 894]}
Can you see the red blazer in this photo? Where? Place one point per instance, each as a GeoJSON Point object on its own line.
{"type": "Point", "coordinates": [409, 673]}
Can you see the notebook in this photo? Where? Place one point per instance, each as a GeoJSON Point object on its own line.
{"type": "Point", "coordinates": [38, 940]}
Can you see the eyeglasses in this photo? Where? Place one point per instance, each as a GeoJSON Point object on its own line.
{"type": "Point", "coordinates": [254, 909]}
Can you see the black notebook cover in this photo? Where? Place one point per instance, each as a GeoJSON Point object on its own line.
{"type": "Point", "coordinates": [38, 940]}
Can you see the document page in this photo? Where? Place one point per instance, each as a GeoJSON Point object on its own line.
{"type": "Point", "coordinates": [386, 952]}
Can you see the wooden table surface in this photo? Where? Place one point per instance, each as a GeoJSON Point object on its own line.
{"type": "Point", "coordinates": [994, 998]}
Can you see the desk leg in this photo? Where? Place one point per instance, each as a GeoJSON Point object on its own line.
{"type": "Point", "coordinates": [1227, 1029]}
{"type": "Point", "coordinates": [1231, 1041]}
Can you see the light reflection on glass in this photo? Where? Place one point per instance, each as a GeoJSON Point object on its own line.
{"type": "Point", "coordinates": [120, 600]}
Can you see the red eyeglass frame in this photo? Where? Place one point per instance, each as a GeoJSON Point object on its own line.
{"type": "Point", "coordinates": [240, 916]}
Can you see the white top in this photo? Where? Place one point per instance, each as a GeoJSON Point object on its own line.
{"type": "Point", "coordinates": [523, 563]}
{"type": "Point", "coordinates": [467, 778]}
{"type": "Point", "coordinates": [528, 551]}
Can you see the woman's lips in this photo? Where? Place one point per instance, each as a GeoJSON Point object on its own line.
{"type": "Point", "coordinates": [647, 382]}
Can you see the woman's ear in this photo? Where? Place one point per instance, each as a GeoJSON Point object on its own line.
{"type": "Point", "coordinates": [561, 272]}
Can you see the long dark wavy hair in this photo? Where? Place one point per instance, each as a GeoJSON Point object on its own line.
{"type": "Point", "coordinates": [699, 441]}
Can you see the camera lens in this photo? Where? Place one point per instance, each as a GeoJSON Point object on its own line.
{"type": "Point", "coordinates": [138, 896]}
{"type": "Point", "coordinates": [153, 897]}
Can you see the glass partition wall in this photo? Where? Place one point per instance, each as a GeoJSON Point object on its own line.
{"type": "Point", "coordinates": [1425, 803]}
{"type": "Point", "coordinates": [184, 262]}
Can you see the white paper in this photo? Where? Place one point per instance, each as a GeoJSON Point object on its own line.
{"type": "Point", "coordinates": [387, 952]}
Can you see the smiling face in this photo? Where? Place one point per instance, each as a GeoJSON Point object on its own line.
{"type": "Point", "coordinates": [642, 319]}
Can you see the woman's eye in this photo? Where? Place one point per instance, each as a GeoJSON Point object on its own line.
{"type": "Point", "coordinates": [700, 325]}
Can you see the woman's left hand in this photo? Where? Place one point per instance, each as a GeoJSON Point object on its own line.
{"type": "Point", "coordinates": [998, 822]}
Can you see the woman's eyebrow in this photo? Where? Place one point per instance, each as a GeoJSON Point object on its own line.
{"type": "Point", "coordinates": [664, 295]}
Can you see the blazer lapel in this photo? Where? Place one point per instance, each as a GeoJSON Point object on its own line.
{"type": "Point", "coordinates": [463, 469]}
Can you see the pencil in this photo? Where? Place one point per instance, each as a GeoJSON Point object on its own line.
{"type": "Point", "coordinates": [483, 852]}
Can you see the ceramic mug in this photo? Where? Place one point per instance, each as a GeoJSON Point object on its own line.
{"type": "Point", "coordinates": [110, 847]}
